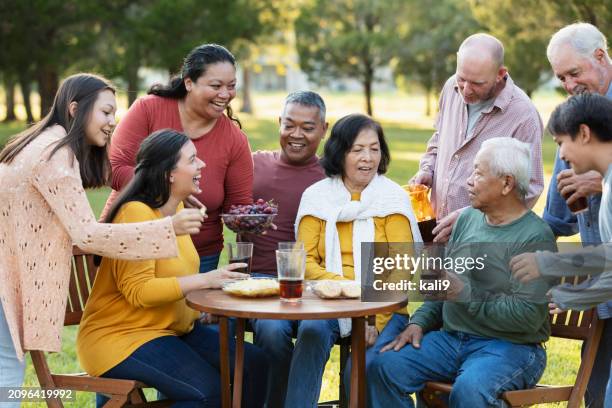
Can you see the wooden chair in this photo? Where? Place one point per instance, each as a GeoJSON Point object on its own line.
{"type": "Point", "coordinates": [573, 324]}
{"type": "Point", "coordinates": [122, 393]}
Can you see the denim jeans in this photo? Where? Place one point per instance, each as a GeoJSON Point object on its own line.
{"type": "Point", "coordinates": [209, 262]}
{"type": "Point", "coordinates": [296, 372]}
{"type": "Point", "coordinates": [12, 370]}
{"type": "Point", "coordinates": [481, 369]}
{"type": "Point", "coordinates": [608, 401]}
{"type": "Point", "coordinates": [186, 369]}
{"type": "Point", "coordinates": [596, 389]}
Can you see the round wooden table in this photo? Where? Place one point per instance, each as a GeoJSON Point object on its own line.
{"type": "Point", "coordinates": [311, 307]}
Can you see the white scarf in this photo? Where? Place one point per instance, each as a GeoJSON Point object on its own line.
{"type": "Point", "coordinates": [329, 200]}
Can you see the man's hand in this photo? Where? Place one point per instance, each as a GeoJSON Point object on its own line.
{"type": "Point", "coordinates": [554, 309]}
{"type": "Point", "coordinates": [422, 177]}
{"type": "Point", "coordinates": [371, 334]}
{"type": "Point", "coordinates": [525, 267]}
{"type": "Point", "coordinates": [207, 318]}
{"type": "Point", "coordinates": [456, 286]}
{"type": "Point", "coordinates": [443, 229]}
{"type": "Point", "coordinates": [575, 186]}
{"type": "Point", "coordinates": [411, 335]}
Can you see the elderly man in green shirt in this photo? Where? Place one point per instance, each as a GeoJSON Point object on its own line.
{"type": "Point", "coordinates": [491, 334]}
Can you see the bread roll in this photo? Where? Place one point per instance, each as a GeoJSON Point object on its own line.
{"type": "Point", "coordinates": [351, 289]}
{"type": "Point", "coordinates": [327, 289]}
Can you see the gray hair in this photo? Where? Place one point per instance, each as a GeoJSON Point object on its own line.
{"type": "Point", "coordinates": [584, 38]}
{"type": "Point", "coordinates": [307, 98]}
{"type": "Point", "coordinates": [507, 156]}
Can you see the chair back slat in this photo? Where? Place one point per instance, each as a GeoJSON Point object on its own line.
{"type": "Point", "coordinates": [573, 324]}
{"type": "Point", "coordinates": [82, 276]}
{"type": "Point", "coordinates": [73, 290]}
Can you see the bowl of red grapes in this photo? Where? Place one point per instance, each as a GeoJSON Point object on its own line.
{"type": "Point", "coordinates": [253, 218]}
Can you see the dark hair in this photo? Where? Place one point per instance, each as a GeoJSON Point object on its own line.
{"type": "Point", "coordinates": [589, 109]}
{"type": "Point", "coordinates": [342, 137]}
{"type": "Point", "coordinates": [156, 158]}
{"type": "Point", "coordinates": [194, 66]}
{"type": "Point", "coordinates": [93, 160]}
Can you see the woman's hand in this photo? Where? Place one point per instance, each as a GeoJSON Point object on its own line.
{"type": "Point", "coordinates": [187, 221]}
{"type": "Point", "coordinates": [217, 277]}
{"type": "Point", "coordinates": [211, 280]}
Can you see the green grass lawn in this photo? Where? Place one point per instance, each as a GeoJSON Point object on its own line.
{"type": "Point", "coordinates": [408, 131]}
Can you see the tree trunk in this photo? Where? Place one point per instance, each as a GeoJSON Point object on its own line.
{"type": "Point", "coordinates": [9, 89]}
{"type": "Point", "coordinates": [367, 87]}
{"type": "Point", "coordinates": [48, 84]}
{"type": "Point", "coordinates": [26, 90]}
{"type": "Point", "coordinates": [427, 101]}
{"type": "Point", "coordinates": [247, 104]}
{"type": "Point", "coordinates": [132, 83]}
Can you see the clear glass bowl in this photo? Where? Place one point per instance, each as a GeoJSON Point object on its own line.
{"type": "Point", "coordinates": [248, 223]}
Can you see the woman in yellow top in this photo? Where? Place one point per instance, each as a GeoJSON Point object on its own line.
{"type": "Point", "coordinates": [354, 204]}
{"type": "Point", "coordinates": [137, 324]}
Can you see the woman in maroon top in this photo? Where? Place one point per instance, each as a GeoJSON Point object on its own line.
{"type": "Point", "coordinates": [195, 102]}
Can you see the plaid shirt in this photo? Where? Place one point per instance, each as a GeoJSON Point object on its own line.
{"type": "Point", "coordinates": [450, 154]}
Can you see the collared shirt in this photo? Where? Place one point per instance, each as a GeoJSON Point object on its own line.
{"type": "Point", "coordinates": [564, 223]}
{"type": "Point", "coordinates": [450, 152]}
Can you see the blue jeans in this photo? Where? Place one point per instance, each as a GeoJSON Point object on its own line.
{"type": "Point", "coordinates": [12, 370]}
{"type": "Point", "coordinates": [209, 262]}
{"type": "Point", "coordinates": [296, 372]}
{"type": "Point", "coordinates": [186, 369]}
{"type": "Point", "coordinates": [481, 369]}
{"type": "Point", "coordinates": [608, 401]}
{"type": "Point", "coordinates": [596, 389]}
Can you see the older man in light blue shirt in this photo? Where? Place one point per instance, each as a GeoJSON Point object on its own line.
{"type": "Point", "coordinates": [579, 58]}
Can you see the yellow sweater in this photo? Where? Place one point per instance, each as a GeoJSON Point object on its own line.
{"type": "Point", "coordinates": [134, 302]}
{"type": "Point", "coordinates": [311, 231]}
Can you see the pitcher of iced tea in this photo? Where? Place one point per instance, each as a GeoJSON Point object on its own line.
{"type": "Point", "coordinates": [424, 213]}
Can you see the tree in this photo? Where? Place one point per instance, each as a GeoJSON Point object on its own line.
{"type": "Point", "coordinates": [60, 31]}
{"type": "Point", "coordinates": [348, 38]}
{"type": "Point", "coordinates": [428, 51]}
{"type": "Point", "coordinates": [596, 12]}
{"type": "Point", "coordinates": [524, 27]}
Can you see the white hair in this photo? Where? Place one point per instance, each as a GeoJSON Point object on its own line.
{"type": "Point", "coordinates": [508, 157]}
{"type": "Point", "coordinates": [584, 38]}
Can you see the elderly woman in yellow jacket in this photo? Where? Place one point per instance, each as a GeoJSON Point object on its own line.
{"type": "Point", "coordinates": [356, 203]}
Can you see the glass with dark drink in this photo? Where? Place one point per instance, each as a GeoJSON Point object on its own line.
{"type": "Point", "coordinates": [291, 265]}
{"type": "Point", "coordinates": [426, 227]}
{"type": "Point", "coordinates": [240, 252]}
{"type": "Point", "coordinates": [291, 289]}
{"type": "Point", "coordinates": [577, 206]}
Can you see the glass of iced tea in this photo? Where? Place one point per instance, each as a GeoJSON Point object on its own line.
{"type": "Point", "coordinates": [240, 252]}
{"type": "Point", "coordinates": [291, 265]}
{"type": "Point", "coordinates": [423, 211]}
{"type": "Point", "coordinates": [283, 246]}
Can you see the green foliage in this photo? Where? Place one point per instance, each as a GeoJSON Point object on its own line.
{"type": "Point", "coordinates": [348, 38]}
{"type": "Point", "coordinates": [428, 52]}
{"type": "Point", "coordinates": [524, 27]}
